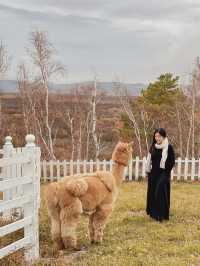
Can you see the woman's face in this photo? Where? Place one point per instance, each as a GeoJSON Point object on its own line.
{"type": "Point", "coordinates": [159, 139]}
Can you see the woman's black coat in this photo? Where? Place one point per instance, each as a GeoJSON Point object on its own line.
{"type": "Point", "coordinates": [158, 191]}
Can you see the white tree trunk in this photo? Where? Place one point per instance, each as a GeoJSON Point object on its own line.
{"type": "Point", "coordinates": [72, 135]}
{"type": "Point", "coordinates": [94, 134]}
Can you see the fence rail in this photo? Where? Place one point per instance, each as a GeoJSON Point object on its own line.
{"type": "Point", "coordinates": [20, 185]}
{"type": "Point", "coordinates": [185, 169]}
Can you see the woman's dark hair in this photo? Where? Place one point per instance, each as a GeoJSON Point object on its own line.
{"type": "Point", "coordinates": [162, 132]}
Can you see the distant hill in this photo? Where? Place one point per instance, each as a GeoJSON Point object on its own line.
{"type": "Point", "coordinates": [11, 86]}
{"type": "Point", "coordinates": [8, 86]}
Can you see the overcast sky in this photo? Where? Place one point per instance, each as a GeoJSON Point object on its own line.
{"type": "Point", "coordinates": [135, 40]}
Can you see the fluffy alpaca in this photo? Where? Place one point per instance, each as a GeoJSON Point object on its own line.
{"type": "Point", "coordinates": [93, 194]}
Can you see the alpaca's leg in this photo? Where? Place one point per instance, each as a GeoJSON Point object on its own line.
{"type": "Point", "coordinates": [69, 220]}
{"type": "Point", "coordinates": [99, 221]}
{"type": "Point", "coordinates": [56, 234]}
{"type": "Point", "coordinates": [54, 214]}
{"type": "Point", "coordinates": [91, 227]}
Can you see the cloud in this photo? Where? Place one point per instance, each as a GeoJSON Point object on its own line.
{"type": "Point", "coordinates": [135, 39]}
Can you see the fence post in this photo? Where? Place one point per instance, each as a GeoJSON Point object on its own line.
{"type": "Point", "coordinates": [78, 166]}
{"type": "Point", "coordinates": [91, 166]}
{"type": "Point", "coordinates": [179, 169]}
{"type": "Point", "coordinates": [137, 165]}
{"type": "Point", "coordinates": [31, 208]}
{"type": "Point", "coordinates": [144, 167]}
{"type": "Point", "coordinates": [84, 166]}
{"type": "Point", "coordinates": [193, 169]}
{"type": "Point", "coordinates": [44, 170]}
{"type": "Point", "coordinates": [58, 170]}
{"type": "Point", "coordinates": [7, 151]}
{"type": "Point", "coordinates": [51, 168]}
{"type": "Point", "coordinates": [71, 167]}
{"type": "Point", "coordinates": [130, 170]}
{"type": "Point", "coordinates": [186, 169]}
{"type": "Point", "coordinates": [64, 168]}
{"type": "Point", "coordinates": [198, 169]}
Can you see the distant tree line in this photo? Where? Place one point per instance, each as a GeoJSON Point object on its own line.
{"type": "Point", "coordinates": [163, 103]}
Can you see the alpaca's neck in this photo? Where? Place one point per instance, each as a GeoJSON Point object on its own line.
{"type": "Point", "coordinates": [118, 173]}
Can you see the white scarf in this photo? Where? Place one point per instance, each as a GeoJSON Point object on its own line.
{"type": "Point", "coordinates": [164, 146]}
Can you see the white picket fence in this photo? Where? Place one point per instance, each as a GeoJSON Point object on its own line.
{"type": "Point", "coordinates": [185, 169]}
{"type": "Point", "coordinates": [20, 185]}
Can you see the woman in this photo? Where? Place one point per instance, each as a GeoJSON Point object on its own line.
{"type": "Point", "coordinates": [160, 162]}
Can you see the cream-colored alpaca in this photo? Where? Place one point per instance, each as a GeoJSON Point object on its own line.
{"type": "Point", "coordinates": [93, 193]}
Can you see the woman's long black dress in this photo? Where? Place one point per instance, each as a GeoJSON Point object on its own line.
{"type": "Point", "coordinates": [158, 191]}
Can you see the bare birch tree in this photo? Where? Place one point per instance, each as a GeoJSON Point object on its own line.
{"type": "Point", "coordinates": [94, 119]}
{"type": "Point", "coordinates": [88, 132]}
{"type": "Point", "coordinates": [194, 93]}
{"type": "Point", "coordinates": [71, 121]}
{"type": "Point", "coordinates": [147, 125]}
{"type": "Point", "coordinates": [180, 129]}
{"type": "Point", "coordinates": [124, 99]}
{"type": "Point", "coordinates": [26, 100]}
{"type": "Point", "coordinates": [4, 60]}
{"type": "Point", "coordinates": [42, 55]}
{"type": "Point", "coordinates": [195, 96]}
{"type": "Point", "coordinates": [4, 65]}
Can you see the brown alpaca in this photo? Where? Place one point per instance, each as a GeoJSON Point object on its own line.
{"type": "Point", "coordinates": [93, 193]}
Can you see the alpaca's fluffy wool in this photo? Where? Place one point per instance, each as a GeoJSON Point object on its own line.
{"type": "Point", "coordinates": [93, 193]}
